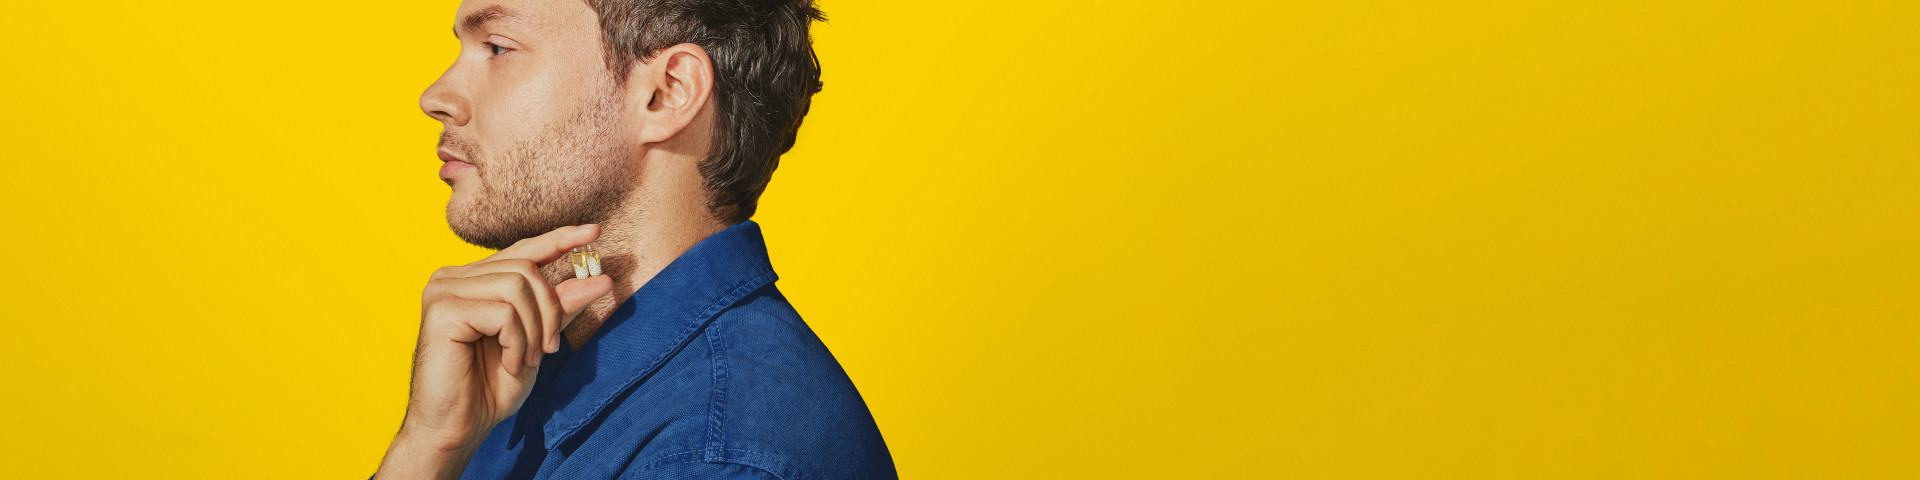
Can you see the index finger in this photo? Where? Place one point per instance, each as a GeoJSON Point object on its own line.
{"type": "Point", "coordinates": [549, 246]}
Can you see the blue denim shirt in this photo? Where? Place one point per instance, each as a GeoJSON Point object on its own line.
{"type": "Point", "coordinates": [706, 372]}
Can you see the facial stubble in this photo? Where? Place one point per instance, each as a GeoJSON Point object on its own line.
{"type": "Point", "coordinates": [575, 171]}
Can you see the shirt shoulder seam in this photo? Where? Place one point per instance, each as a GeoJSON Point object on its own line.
{"type": "Point", "coordinates": [717, 405]}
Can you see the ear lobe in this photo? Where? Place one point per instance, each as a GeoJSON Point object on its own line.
{"type": "Point", "coordinates": [678, 84]}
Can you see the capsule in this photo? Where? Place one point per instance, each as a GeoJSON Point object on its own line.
{"type": "Point", "coordinates": [586, 263]}
{"type": "Point", "coordinates": [593, 260]}
{"type": "Point", "coordinates": [579, 260]}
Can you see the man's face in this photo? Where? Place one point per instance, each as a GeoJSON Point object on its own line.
{"type": "Point", "coordinates": [531, 121]}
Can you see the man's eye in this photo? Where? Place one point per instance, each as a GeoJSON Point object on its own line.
{"type": "Point", "coordinates": [496, 49]}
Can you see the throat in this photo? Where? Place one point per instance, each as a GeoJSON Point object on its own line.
{"type": "Point", "coordinates": [634, 247]}
{"type": "Point", "coordinates": [590, 320]}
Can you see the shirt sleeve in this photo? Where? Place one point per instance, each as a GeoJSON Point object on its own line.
{"type": "Point", "coordinates": [701, 471]}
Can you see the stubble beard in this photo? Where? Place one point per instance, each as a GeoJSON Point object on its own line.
{"type": "Point", "coordinates": [575, 171]}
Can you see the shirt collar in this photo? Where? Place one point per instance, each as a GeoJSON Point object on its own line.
{"type": "Point", "coordinates": [660, 318]}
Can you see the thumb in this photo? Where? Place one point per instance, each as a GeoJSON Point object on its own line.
{"type": "Point", "coordinates": [576, 293]}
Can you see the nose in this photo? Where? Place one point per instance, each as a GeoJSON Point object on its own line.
{"type": "Point", "coordinates": [444, 101]}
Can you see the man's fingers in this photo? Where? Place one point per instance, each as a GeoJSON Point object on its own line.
{"type": "Point", "coordinates": [575, 294]}
{"type": "Point", "coordinates": [551, 245]}
{"type": "Point", "coordinates": [469, 321]}
{"type": "Point", "coordinates": [462, 320]}
{"type": "Point", "coordinates": [547, 310]}
{"type": "Point", "coordinates": [550, 310]}
{"type": "Point", "coordinates": [506, 287]}
{"type": "Point", "coordinates": [543, 293]}
{"type": "Point", "coordinates": [513, 347]}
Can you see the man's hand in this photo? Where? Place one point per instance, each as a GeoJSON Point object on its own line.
{"type": "Point", "coordinates": [484, 327]}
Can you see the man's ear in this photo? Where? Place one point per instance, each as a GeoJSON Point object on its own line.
{"type": "Point", "coordinates": [671, 90]}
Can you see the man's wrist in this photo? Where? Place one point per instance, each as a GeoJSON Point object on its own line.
{"type": "Point", "coordinates": [419, 455]}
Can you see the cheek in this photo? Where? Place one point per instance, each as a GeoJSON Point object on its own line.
{"type": "Point", "coordinates": [509, 111]}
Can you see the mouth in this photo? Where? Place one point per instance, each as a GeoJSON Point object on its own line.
{"type": "Point", "coordinates": [452, 165]}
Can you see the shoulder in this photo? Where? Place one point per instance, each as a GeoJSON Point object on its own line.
{"type": "Point", "coordinates": [769, 362]}
{"type": "Point", "coordinates": [780, 401]}
{"type": "Point", "coordinates": [762, 333]}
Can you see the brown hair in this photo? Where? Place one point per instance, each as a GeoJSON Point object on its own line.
{"type": "Point", "coordinates": [765, 75]}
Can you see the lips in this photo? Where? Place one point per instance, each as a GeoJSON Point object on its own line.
{"type": "Point", "coordinates": [452, 165]}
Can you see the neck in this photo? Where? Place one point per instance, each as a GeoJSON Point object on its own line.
{"type": "Point", "coordinates": [638, 242]}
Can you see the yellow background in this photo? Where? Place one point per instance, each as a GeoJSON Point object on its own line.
{"type": "Point", "coordinates": [1358, 239]}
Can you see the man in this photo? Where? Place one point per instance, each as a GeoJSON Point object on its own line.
{"type": "Point", "coordinates": [648, 129]}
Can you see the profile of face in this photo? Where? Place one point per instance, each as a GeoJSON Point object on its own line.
{"type": "Point", "coordinates": [531, 122]}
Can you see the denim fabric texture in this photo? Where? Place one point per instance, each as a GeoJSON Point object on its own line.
{"type": "Point", "coordinates": [706, 372]}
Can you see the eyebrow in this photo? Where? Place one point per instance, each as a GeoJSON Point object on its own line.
{"type": "Point", "coordinates": [481, 18]}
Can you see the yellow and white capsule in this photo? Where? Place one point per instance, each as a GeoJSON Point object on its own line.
{"type": "Point", "coordinates": [586, 263]}
{"type": "Point", "coordinates": [579, 260]}
{"type": "Point", "coordinates": [593, 260]}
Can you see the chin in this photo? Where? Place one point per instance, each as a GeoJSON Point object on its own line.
{"type": "Point", "coordinates": [461, 219]}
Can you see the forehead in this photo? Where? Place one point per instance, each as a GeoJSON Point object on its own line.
{"type": "Point", "coordinates": [540, 17]}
